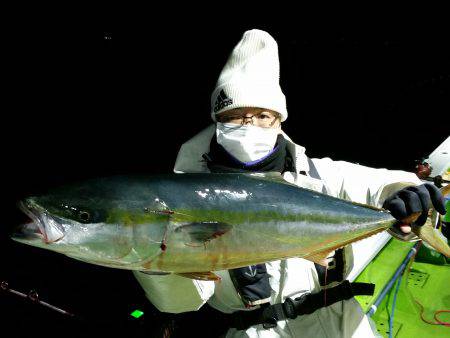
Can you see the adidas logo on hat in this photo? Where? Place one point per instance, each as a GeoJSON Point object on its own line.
{"type": "Point", "coordinates": [222, 101]}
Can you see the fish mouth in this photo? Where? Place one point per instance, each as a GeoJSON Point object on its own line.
{"type": "Point", "coordinates": [42, 225]}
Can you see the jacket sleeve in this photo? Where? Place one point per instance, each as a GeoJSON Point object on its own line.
{"type": "Point", "coordinates": [173, 293]}
{"type": "Point", "coordinates": [189, 159]}
{"type": "Point", "coordinates": [362, 184]}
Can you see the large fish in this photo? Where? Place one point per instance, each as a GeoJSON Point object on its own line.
{"type": "Point", "coordinates": [193, 224]}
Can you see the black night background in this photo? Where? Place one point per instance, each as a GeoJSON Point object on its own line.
{"type": "Point", "coordinates": [121, 98]}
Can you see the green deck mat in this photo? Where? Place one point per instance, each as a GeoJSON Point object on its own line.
{"type": "Point", "coordinates": [427, 283]}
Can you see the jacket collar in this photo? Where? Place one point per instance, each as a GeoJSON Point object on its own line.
{"type": "Point", "coordinates": [190, 158]}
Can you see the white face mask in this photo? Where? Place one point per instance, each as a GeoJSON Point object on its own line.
{"type": "Point", "coordinates": [247, 142]}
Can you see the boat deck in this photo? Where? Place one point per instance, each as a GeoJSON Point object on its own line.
{"type": "Point", "coordinates": [427, 283]}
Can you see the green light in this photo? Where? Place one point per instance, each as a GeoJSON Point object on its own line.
{"type": "Point", "coordinates": [137, 313]}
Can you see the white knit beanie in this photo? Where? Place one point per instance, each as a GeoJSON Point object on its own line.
{"type": "Point", "coordinates": [251, 77]}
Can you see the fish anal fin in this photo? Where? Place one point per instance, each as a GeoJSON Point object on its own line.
{"type": "Point", "coordinates": [207, 275]}
{"type": "Point", "coordinates": [320, 257]}
{"type": "Point", "coordinates": [155, 273]}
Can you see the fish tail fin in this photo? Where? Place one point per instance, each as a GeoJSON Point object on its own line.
{"type": "Point", "coordinates": [430, 235]}
{"type": "Point", "coordinates": [433, 237]}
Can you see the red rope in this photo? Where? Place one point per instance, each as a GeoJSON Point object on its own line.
{"type": "Point", "coordinates": [437, 322]}
{"type": "Point", "coordinates": [437, 319]}
{"type": "Point", "coordinates": [422, 309]}
{"type": "Point", "coordinates": [325, 290]}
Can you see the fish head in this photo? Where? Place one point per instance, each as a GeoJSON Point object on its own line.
{"type": "Point", "coordinates": [92, 225]}
{"type": "Point", "coordinates": [52, 218]}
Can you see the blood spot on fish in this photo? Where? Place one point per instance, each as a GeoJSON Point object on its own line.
{"type": "Point", "coordinates": [218, 234]}
{"type": "Point", "coordinates": [166, 212]}
{"type": "Point", "coordinates": [163, 246]}
{"type": "Point", "coordinates": [160, 260]}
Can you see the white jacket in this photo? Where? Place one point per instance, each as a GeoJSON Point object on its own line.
{"type": "Point", "coordinates": [295, 276]}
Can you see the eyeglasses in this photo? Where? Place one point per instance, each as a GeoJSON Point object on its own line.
{"type": "Point", "coordinates": [262, 119]}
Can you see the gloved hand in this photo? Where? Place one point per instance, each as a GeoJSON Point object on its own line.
{"type": "Point", "coordinates": [410, 200]}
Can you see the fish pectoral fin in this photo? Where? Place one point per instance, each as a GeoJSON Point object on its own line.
{"type": "Point", "coordinates": [201, 232]}
{"type": "Point", "coordinates": [208, 275]}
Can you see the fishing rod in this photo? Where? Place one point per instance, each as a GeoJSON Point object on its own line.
{"type": "Point", "coordinates": [33, 296]}
{"type": "Point", "coordinates": [412, 252]}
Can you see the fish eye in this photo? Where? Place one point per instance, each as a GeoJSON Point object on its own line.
{"type": "Point", "coordinates": [84, 216]}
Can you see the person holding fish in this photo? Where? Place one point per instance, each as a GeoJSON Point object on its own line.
{"type": "Point", "coordinates": [248, 108]}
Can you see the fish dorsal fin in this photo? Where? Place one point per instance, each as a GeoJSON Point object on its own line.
{"type": "Point", "coordinates": [271, 176]}
{"type": "Point", "coordinates": [205, 275]}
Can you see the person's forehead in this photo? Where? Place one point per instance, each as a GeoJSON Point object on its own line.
{"type": "Point", "coordinates": [247, 110]}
